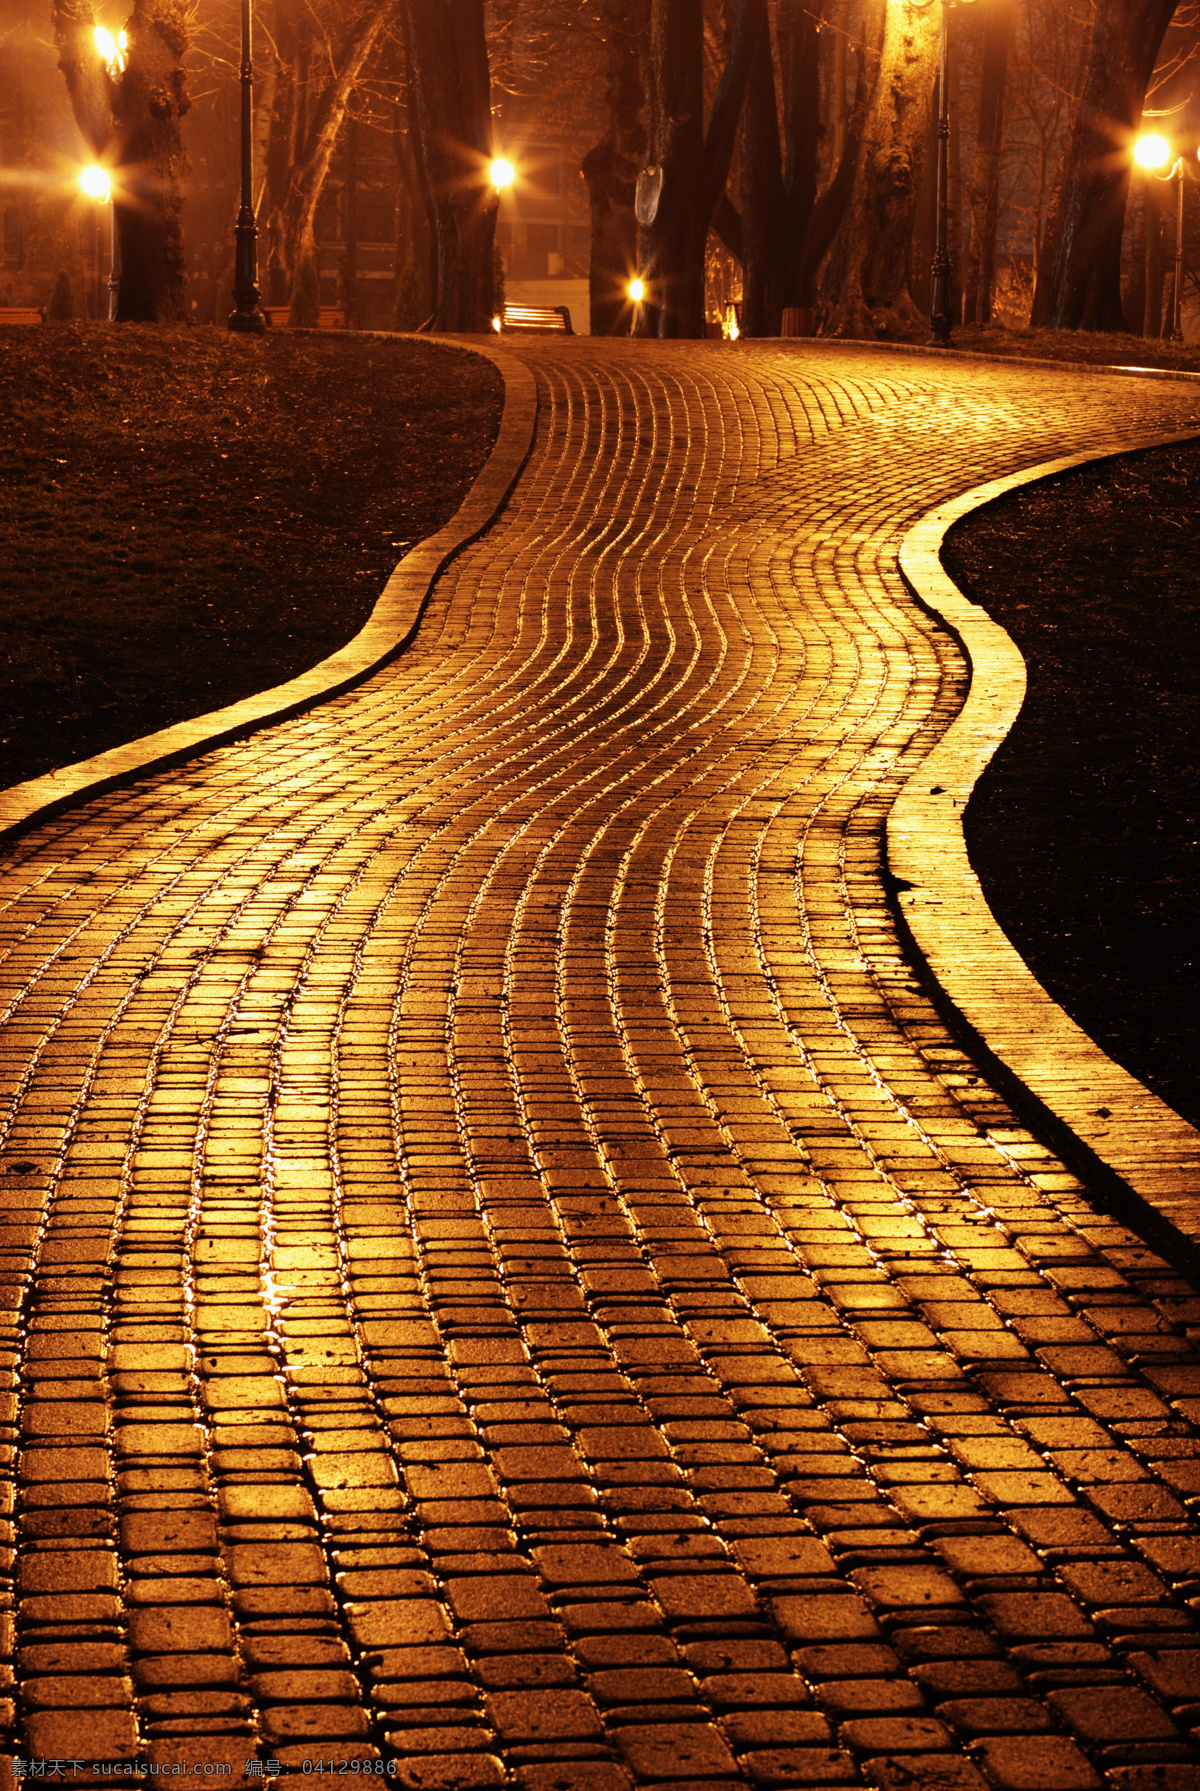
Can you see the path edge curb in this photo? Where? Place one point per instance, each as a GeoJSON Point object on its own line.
{"type": "Point", "coordinates": [1105, 1124]}
{"type": "Point", "coordinates": [388, 630]}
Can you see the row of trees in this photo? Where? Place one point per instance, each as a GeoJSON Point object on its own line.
{"type": "Point", "coordinates": [798, 133]}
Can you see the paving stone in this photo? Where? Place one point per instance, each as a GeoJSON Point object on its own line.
{"type": "Point", "coordinates": [1112, 1714]}
{"type": "Point", "coordinates": [1037, 1763]}
{"type": "Point", "coordinates": [937, 1772]}
{"type": "Point", "coordinates": [676, 1751]}
{"type": "Point", "coordinates": [799, 1766]}
{"type": "Point", "coordinates": [995, 1716]}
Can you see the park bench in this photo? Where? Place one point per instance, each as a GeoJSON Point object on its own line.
{"type": "Point", "coordinates": [548, 319]}
{"type": "Point", "coordinates": [330, 317]}
{"type": "Point", "coordinates": [21, 314]}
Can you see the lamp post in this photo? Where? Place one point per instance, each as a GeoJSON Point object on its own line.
{"type": "Point", "coordinates": [95, 180]}
{"type": "Point", "coordinates": [1153, 152]}
{"type": "Point", "coordinates": [246, 315]}
{"type": "Point", "coordinates": [940, 297]}
{"type": "Point", "coordinates": [97, 184]}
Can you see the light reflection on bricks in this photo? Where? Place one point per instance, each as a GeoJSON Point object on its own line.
{"type": "Point", "coordinates": [507, 1272]}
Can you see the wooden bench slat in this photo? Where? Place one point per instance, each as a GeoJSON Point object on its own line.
{"type": "Point", "coordinates": [21, 314]}
{"type": "Point", "coordinates": [330, 317]}
{"type": "Point", "coordinates": [553, 318]}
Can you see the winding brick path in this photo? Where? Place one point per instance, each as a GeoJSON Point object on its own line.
{"type": "Point", "coordinates": [505, 1273]}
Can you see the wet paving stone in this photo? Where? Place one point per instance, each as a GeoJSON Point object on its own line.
{"type": "Point", "coordinates": [506, 1280]}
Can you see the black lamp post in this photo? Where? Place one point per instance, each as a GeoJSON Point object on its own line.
{"type": "Point", "coordinates": [1153, 152]}
{"type": "Point", "coordinates": [114, 262]}
{"type": "Point", "coordinates": [941, 295]}
{"type": "Point", "coordinates": [939, 298]}
{"type": "Point", "coordinates": [246, 314]}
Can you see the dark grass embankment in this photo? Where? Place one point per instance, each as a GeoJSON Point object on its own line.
{"type": "Point", "coordinates": [190, 516]}
{"type": "Point", "coordinates": [1085, 829]}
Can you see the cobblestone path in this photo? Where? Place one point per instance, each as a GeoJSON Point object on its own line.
{"type": "Point", "coordinates": [505, 1274]}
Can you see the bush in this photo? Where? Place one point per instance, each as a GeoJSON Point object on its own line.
{"type": "Point", "coordinates": [305, 313]}
{"type": "Point", "coordinates": [408, 313]}
{"type": "Point", "coordinates": [61, 308]}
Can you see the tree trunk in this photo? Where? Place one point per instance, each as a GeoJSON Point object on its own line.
{"type": "Point", "coordinates": [449, 69]}
{"type": "Point", "coordinates": [799, 34]}
{"type": "Point", "coordinates": [954, 194]}
{"type": "Point", "coordinates": [764, 206]}
{"type": "Point", "coordinates": [349, 270]}
{"type": "Point", "coordinates": [1081, 289]}
{"type": "Point", "coordinates": [310, 110]}
{"type": "Point", "coordinates": [787, 230]}
{"type": "Point", "coordinates": [611, 169]}
{"type": "Point", "coordinates": [831, 206]}
{"type": "Point", "coordinates": [695, 164]}
{"type": "Point", "coordinates": [869, 293]}
{"type": "Point", "coordinates": [414, 238]}
{"type": "Point", "coordinates": [130, 119]}
{"type": "Point", "coordinates": [985, 180]}
{"type": "Point", "coordinates": [841, 112]}
{"type": "Point", "coordinates": [671, 248]}
{"type": "Point", "coordinates": [428, 234]}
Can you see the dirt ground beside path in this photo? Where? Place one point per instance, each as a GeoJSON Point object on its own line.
{"type": "Point", "coordinates": [191, 516]}
{"type": "Point", "coordinates": [1085, 830]}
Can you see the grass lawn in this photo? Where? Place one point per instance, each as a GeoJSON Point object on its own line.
{"type": "Point", "coordinates": [1085, 829]}
{"type": "Point", "coordinates": [190, 516]}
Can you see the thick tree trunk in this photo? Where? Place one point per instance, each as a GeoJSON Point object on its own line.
{"type": "Point", "coordinates": [1134, 296]}
{"type": "Point", "coordinates": [985, 179]}
{"type": "Point", "coordinates": [414, 238]}
{"type": "Point", "coordinates": [833, 201]}
{"type": "Point", "coordinates": [428, 234]}
{"type": "Point", "coordinates": [799, 32]}
{"type": "Point", "coordinates": [841, 112]}
{"type": "Point", "coordinates": [449, 68]}
{"type": "Point", "coordinates": [764, 202]}
{"type": "Point", "coordinates": [611, 169]}
{"type": "Point", "coordinates": [695, 165]}
{"type": "Point", "coordinates": [868, 291]}
{"type": "Point", "coordinates": [671, 247]}
{"type": "Point", "coordinates": [130, 119]}
{"type": "Point", "coordinates": [92, 95]}
{"type": "Point", "coordinates": [349, 270]}
{"type": "Point", "coordinates": [1081, 284]}
{"type": "Point", "coordinates": [785, 232]}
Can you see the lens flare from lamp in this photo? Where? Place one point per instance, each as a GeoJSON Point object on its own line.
{"type": "Point", "coordinates": [112, 49]}
{"type": "Point", "coordinates": [96, 184]}
{"type": "Point", "coordinates": [502, 173]}
{"type": "Point", "coordinates": [637, 291]}
{"type": "Point", "coordinates": [1151, 151]}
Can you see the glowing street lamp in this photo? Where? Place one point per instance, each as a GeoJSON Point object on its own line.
{"type": "Point", "coordinates": [1152, 152]}
{"type": "Point", "coordinates": [112, 50]}
{"type": "Point", "coordinates": [501, 173]}
{"type": "Point", "coordinates": [246, 315]}
{"type": "Point", "coordinates": [940, 296]}
{"type": "Point", "coordinates": [96, 182]}
{"type": "Point", "coordinates": [637, 291]}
